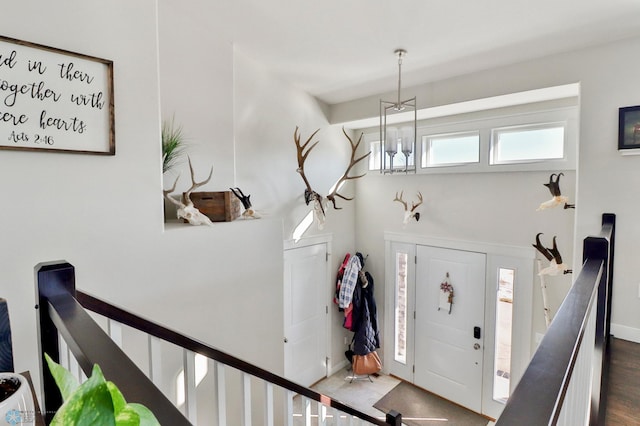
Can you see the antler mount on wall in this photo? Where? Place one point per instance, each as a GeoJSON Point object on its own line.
{"type": "Point", "coordinates": [409, 212]}
{"type": "Point", "coordinates": [310, 195]}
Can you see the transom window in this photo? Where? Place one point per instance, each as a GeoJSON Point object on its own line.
{"type": "Point", "coordinates": [450, 149]}
{"type": "Point", "coordinates": [530, 143]}
{"type": "Point", "coordinates": [530, 137]}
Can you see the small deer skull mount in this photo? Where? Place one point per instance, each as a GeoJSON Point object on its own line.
{"type": "Point", "coordinates": [186, 209]}
{"type": "Point", "coordinates": [409, 213]}
{"type": "Point", "coordinates": [248, 212]}
{"type": "Point", "coordinates": [310, 195]}
{"type": "Point", "coordinates": [556, 265]}
{"type": "Point", "coordinates": [557, 197]}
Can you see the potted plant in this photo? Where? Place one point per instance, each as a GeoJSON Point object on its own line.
{"type": "Point", "coordinates": [173, 145]}
{"type": "Point", "coordinates": [16, 402]}
{"type": "Point", "coordinates": [96, 401]}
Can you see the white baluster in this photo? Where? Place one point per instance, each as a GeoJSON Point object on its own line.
{"type": "Point", "coordinates": [322, 414]}
{"type": "Point", "coordinates": [268, 404]}
{"type": "Point", "coordinates": [221, 391]}
{"type": "Point", "coordinates": [337, 421]}
{"type": "Point", "coordinates": [246, 399]}
{"type": "Point", "coordinates": [74, 368]}
{"type": "Point", "coordinates": [289, 408]}
{"type": "Point", "coordinates": [189, 366]}
{"type": "Point", "coordinates": [155, 360]}
{"type": "Point", "coordinates": [115, 332]}
{"type": "Point", "coordinates": [306, 409]}
{"type": "Point", "coordinates": [63, 351]}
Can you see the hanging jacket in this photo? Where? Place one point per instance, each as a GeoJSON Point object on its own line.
{"type": "Point", "coordinates": [349, 281]}
{"type": "Point", "coordinates": [339, 276]}
{"type": "Point", "coordinates": [365, 323]}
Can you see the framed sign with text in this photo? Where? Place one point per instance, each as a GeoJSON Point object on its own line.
{"type": "Point", "coordinates": [55, 100]}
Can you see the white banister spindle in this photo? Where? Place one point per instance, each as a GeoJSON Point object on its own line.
{"type": "Point", "coordinates": [63, 351]}
{"type": "Point", "coordinates": [306, 411]}
{"type": "Point", "coordinates": [322, 414]}
{"type": "Point", "coordinates": [221, 392]}
{"type": "Point", "coordinates": [289, 408]}
{"type": "Point", "coordinates": [246, 399]}
{"type": "Point", "coordinates": [189, 367]}
{"type": "Point", "coordinates": [115, 332]}
{"type": "Point", "coordinates": [155, 360]}
{"type": "Point", "coordinates": [577, 402]}
{"type": "Point", "coordinates": [74, 368]}
{"type": "Point", "coordinates": [337, 420]}
{"type": "Point", "coordinates": [268, 404]}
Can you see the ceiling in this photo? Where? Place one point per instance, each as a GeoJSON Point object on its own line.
{"type": "Point", "coordinates": [340, 50]}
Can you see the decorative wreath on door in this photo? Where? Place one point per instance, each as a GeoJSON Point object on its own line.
{"type": "Point", "coordinates": [446, 295]}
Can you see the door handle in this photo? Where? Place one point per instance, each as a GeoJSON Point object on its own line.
{"type": "Point", "coordinates": [476, 346]}
{"type": "Point", "coordinates": [286, 340]}
{"type": "Point", "coordinates": [476, 332]}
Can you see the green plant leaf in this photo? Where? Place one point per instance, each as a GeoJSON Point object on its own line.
{"type": "Point", "coordinates": [96, 402]}
{"type": "Point", "coordinates": [63, 378]}
{"type": "Point", "coordinates": [90, 404]}
{"type": "Point", "coordinates": [173, 144]}
{"type": "Point", "coordinates": [146, 416]}
{"type": "Point", "coordinates": [117, 398]}
{"type": "Point", "coordinates": [127, 417]}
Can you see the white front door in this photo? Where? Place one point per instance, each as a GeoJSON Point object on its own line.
{"type": "Point", "coordinates": [449, 343]}
{"type": "Point", "coordinates": [305, 314]}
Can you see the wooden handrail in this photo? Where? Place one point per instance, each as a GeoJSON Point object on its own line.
{"type": "Point", "coordinates": [63, 308]}
{"type": "Point", "coordinates": [538, 397]}
{"type": "Point", "coordinates": [135, 321]}
{"type": "Point", "coordinates": [90, 345]}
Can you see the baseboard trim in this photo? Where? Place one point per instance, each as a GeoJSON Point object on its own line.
{"type": "Point", "coordinates": [338, 366]}
{"type": "Point", "coordinates": [626, 333]}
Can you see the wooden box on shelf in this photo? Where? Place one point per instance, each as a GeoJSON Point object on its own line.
{"type": "Point", "coordinates": [221, 206]}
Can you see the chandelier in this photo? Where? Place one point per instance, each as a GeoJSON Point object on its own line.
{"type": "Point", "coordinates": [398, 139]}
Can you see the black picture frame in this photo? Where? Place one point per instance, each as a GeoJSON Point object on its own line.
{"type": "Point", "coordinates": [629, 128]}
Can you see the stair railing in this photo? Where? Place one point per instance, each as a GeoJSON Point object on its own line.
{"type": "Point", "coordinates": [566, 380]}
{"type": "Point", "coordinates": [68, 334]}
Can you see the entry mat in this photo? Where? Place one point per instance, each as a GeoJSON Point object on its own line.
{"type": "Point", "coordinates": [421, 408]}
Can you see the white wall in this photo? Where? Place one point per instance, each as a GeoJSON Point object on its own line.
{"type": "Point", "coordinates": [267, 112]}
{"type": "Point", "coordinates": [497, 208]}
{"type": "Point", "coordinates": [605, 179]}
{"type": "Point", "coordinates": [105, 214]}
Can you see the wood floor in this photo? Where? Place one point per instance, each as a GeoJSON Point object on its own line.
{"type": "Point", "coordinates": [623, 398]}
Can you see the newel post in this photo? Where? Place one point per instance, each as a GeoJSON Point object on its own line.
{"type": "Point", "coordinates": [394, 418]}
{"type": "Point", "coordinates": [52, 279]}
{"type": "Point", "coordinates": [601, 247]}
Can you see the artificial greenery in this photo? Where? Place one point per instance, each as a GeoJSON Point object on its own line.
{"type": "Point", "coordinates": [95, 402]}
{"type": "Point", "coordinates": [173, 144]}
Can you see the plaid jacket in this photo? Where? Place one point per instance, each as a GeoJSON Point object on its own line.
{"type": "Point", "coordinates": [349, 281]}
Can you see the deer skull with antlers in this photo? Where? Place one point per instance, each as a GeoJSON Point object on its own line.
{"type": "Point", "coordinates": [312, 196]}
{"type": "Point", "coordinates": [249, 212]}
{"type": "Point", "coordinates": [186, 209]}
{"type": "Point", "coordinates": [409, 213]}
{"type": "Point", "coordinates": [557, 199]}
{"type": "Point", "coordinates": [556, 265]}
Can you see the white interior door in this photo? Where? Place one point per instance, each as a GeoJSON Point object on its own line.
{"type": "Point", "coordinates": [305, 314]}
{"type": "Point", "coordinates": [448, 348]}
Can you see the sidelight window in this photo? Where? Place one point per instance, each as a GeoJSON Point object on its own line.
{"type": "Point", "coordinates": [504, 315]}
{"type": "Point", "coordinates": [401, 307]}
